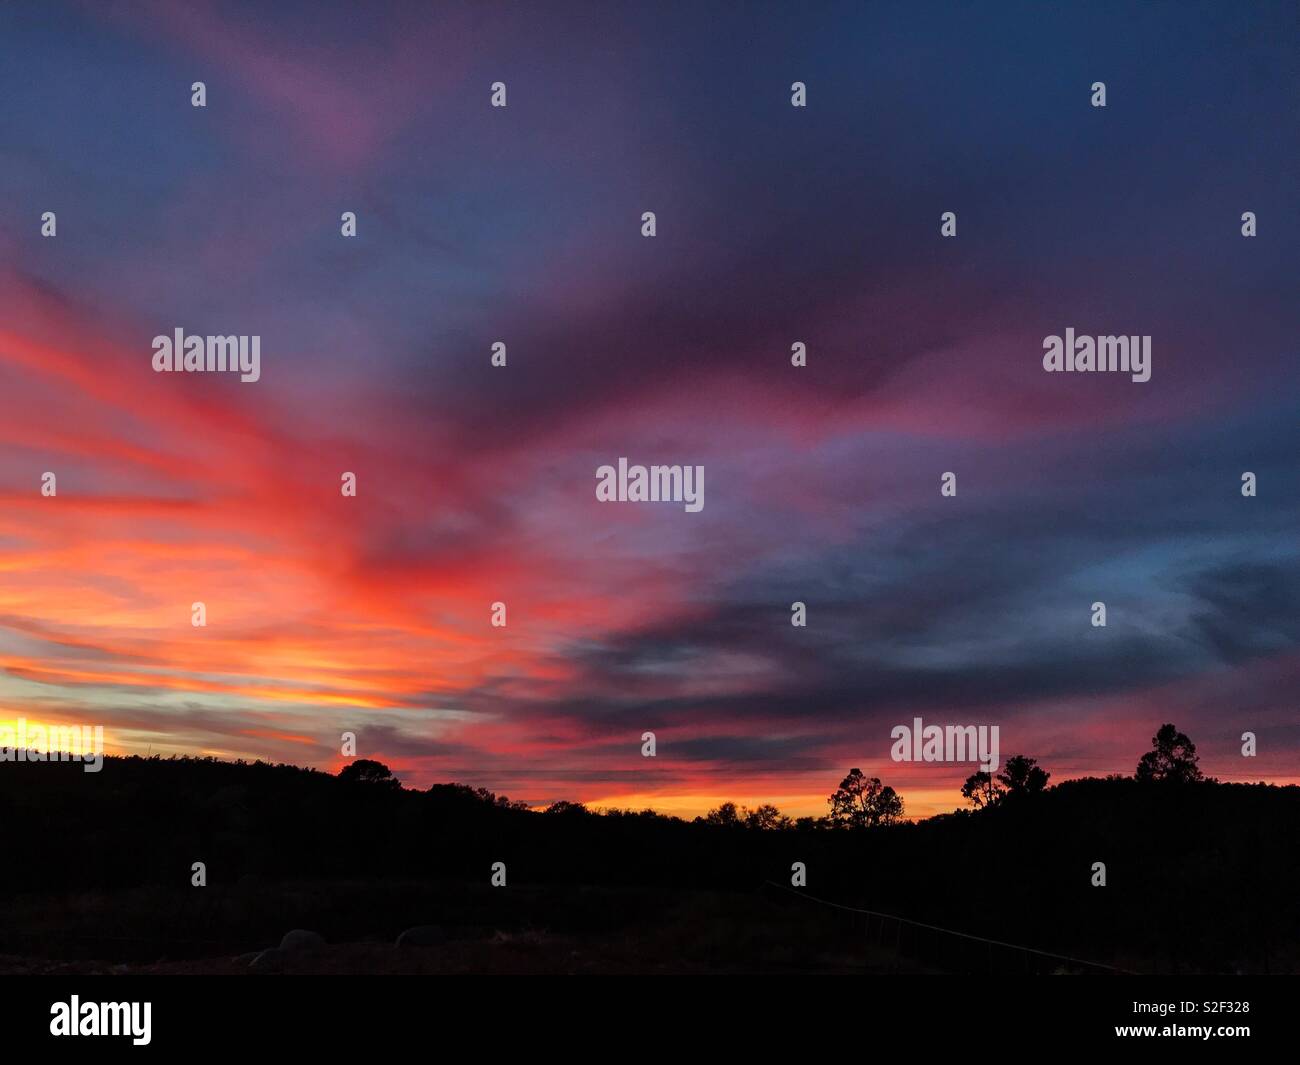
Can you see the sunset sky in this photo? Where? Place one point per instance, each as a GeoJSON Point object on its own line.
{"type": "Point", "coordinates": [476, 484]}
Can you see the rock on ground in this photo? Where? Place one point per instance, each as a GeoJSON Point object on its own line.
{"type": "Point", "coordinates": [425, 935]}
{"type": "Point", "coordinates": [300, 939]}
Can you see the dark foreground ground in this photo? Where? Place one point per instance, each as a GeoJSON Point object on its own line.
{"type": "Point", "coordinates": [601, 932]}
{"type": "Point", "coordinates": [1200, 878]}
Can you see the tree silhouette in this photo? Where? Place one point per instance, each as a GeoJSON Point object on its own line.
{"type": "Point", "coordinates": [765, 817]}
{"type": "Point", "coordinates": [367, 771]}
{"type": "Point", "coordinates": [863, 802]}
{"type": "Point", "coordinates": [726, 814]}
{"type": "Point", "coordinates": [1021, 776]}
{"type": "Point", "coordinates": [465, 796]}
{"type": "Point", "coordinates": [982, 790]}
{"type": "Point", "coordinates": [1173, 758]}
{"type": "Point", "coordinates": [564, 808]}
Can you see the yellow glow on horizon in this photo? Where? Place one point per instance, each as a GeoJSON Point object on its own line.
{"type": "Point", "coordinates": [917, 802]}
{"type": "Point", "coordinates": [54, 735]}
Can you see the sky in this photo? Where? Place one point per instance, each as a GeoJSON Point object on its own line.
{"type": "Point", "coordinates": [475, 484]}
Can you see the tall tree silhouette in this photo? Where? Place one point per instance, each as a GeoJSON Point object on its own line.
{"type": "Point", "coordinates": [1172, 759]}
{"type": "Point", "coordinates": [863, 802]}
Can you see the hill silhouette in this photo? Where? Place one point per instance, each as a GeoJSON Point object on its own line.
{"type": "Point", "coordinates": [1201, 876]}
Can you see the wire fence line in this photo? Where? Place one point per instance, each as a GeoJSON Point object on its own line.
{"type": "Point", "coordinates": [899, 923]}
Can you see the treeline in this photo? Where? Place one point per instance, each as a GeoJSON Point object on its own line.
{"type": "Point", "coordinates": [1198, 873]}
{"type": "Point", "coordinates": [864, 802]}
